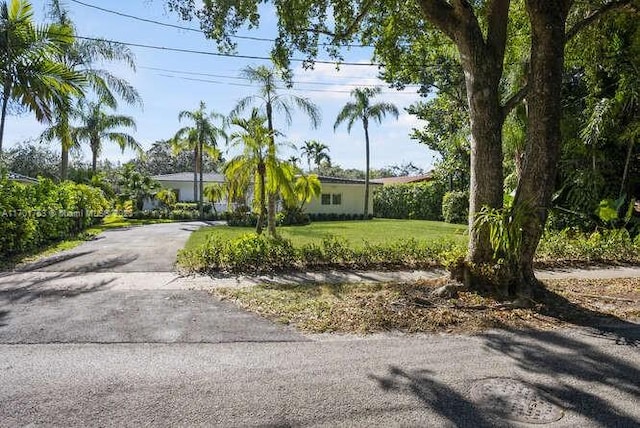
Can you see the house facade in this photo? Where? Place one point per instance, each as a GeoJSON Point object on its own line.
{"type": "Point", "coordinates": [341, 196]}
{"type": "Point", "coordinates": [182, 185]}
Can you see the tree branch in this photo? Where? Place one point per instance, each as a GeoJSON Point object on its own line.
{"type": "Point", "coordinates": [441, 14]}
{"type": "Point", "coordinates": [514, 100]}
{"type": "Point", "coordinates": [595, 15]}
{"type": "Point", "coordinates": [498, 19]}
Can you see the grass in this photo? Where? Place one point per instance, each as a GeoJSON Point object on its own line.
{"type": "Point", "coordinates": [410, 307]}
{"type": "Point", "coordinates": [376, 231]}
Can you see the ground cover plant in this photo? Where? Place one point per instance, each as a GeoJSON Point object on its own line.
{"type": "Point", "coordinates": [413, 307]}
{"type": "Point", "coordinates": [377, 244]}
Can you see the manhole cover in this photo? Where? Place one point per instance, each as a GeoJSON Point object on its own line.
{"type": "Point", "coordinates": [514, 400]}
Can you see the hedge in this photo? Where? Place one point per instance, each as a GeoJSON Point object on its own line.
{"type": "Point", "coordinates": [455, 207]}
{"type": "Point", "coordinates": [421, 201]}
{"type": "Point", "coordinates": [32, 215]}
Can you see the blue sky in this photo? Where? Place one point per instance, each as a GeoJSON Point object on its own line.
{"type": "Point", "coordinates": [163, 80]}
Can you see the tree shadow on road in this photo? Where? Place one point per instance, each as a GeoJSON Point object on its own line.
{"type": "Point", "coordinates": [437, 396]}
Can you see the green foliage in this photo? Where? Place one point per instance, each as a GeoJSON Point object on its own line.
{"type": "Point", "coordinates": [34, 215]}
{"type": "Point", "coordinates": [603, 246]}
{"type": "Point", "coordinates": [455, 207]}
{"type": "Point", "coordinates": [292, 216]}
{"type": "Point", "coordinates": [253, 253]}
{"type": "Point", "coordinates": [167, 197]}
{"type": "Point", "coordinates": [505, 230]}
{"type": "Point", "coordinates": [409, 201]}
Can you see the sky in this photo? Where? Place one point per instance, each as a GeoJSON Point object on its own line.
{"type": "Point", "coordinates": [170, 82]}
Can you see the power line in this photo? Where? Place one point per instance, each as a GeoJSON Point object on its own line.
{"type": "Point", "coordinates": [193, 73]}
{"type": "Point", "coordinates": [247, 85]}
{"type": "Point", "coordinates": [180, 27]}
{"type": "Point", "coordinates": [226, 55]}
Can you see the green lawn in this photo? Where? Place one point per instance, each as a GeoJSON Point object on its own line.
{"type": "Point", "coordinates": [374, 231]}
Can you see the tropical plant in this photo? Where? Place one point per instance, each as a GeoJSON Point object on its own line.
{"type": "Point", "coordinates": [167, 197]}
{"type": "Point", "coordinates": [85, 57]}
{"type": "Point", "coordinates": [306, 188]}
{"type": "Point", "coordinates": [361, 109]}
{"type": "Point", "coordinates": [315, 152]}
{"type": "Point", "coordinates": [135, 186]}
{"type": "Point", "coordinates": [98, 126]}
{"type": "Point", "coordinates": [272, 102]}
{"type": "Point", "coordinates": [215, 192]}
{"type": "Point", "coordinates": [30, 75]}
{"type": "Point", "coordinates": [200, 138]}
{"type": "Point", "coordinates": [258, 166]}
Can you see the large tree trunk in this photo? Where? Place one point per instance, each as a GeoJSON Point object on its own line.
{"type": "Point", "coordinates": [365, 123]}
{"type": "Point", "coordinates": [536, 184]}
{"type": "Point", "coordinates": [483, 70]}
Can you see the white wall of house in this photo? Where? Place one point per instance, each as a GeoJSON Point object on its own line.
{"type": "Point", "coordinates": [341, 198]}
{"type": "Point", "coordinates": [184, 190]}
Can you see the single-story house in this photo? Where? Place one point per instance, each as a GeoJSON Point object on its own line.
{"type": "Point", "coordinates": [182, 184]}
{"type": "Point", "coordinates": [341, 196]}
{"type": "Point", "coordinates": [408, 179]}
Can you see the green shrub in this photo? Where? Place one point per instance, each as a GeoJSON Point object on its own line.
{"type": "Point", "coordinates": [603, 246]}
{"type": "Point", "coordinates": [292, 217]}
{"type": "Point", "coordinates": [421, 201]}
{"type": "Point", "coordinates": [455, 207]}
{"type": "Point", "coordinates": [255, 254]}
{"type": "Point", "coordinates": [36, 214]}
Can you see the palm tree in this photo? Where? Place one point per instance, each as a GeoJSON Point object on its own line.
{"type": "Point", "coordinates": [215, 192]}
{"type": "Point", "coordinates": [97, 126]}
{"type": "Point", "coordinates": [29, 72]}
{"type": "Point", "coordinates": [250, 166]}
{"type": "Point", "coordinates": [316, 151]}
{"type": "Point", "coordinates": [362, 109]}
{"type": "Point", "coordinates": [200, 138]}
{"type": "Point", "coordinates": [83, 57]}
{"type": "Point", "coordinates": [258, 165]}
{"type": "Point", "coordinates": [272, 101]}
{"type": "Point", "coordinates": [306, 188]}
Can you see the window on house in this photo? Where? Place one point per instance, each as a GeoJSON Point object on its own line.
{"type": "Point", "coordinates": [325, 199]}
{"type": "Point", "coordinates": [337, 199]}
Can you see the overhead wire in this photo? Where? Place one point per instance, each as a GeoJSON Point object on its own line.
{"type": "Point", "coordinates": [196, 30]}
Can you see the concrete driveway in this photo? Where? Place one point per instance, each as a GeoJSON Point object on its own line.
{"type": "Point", "coordinates": [151, 248]}
{"type": "Point", "coordinates": [122, 288]}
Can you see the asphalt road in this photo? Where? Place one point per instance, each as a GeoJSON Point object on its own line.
{"type": "Point", "coordinates": [108, 335]}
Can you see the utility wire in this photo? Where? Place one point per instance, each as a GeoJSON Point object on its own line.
{"type": "Point", "coordinates": [226, 55]}
{"type": "Point", "coordinates": [193, 73]}
{"type": "Point", "coordinates": [247, 85]}
{"type": "Point", "coordinates": [195, 30]}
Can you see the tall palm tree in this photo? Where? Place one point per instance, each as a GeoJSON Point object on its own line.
{"type": "Point", "coordinates": [250, 167]}
{"type": "Point", "coordinates": [85, 57]}
{"type": "Point", "coordinates": [362, 109]}
{"type": "Point", "coordinates": [98, 126]}
{"type": "Point", "coordinates": [258, 165]}
{"type": "Point", "coordinates": [29, 72]}
{"type": "Point", "coordinates": [272, 101]}
{"type": "Point", "coordinates": [200, 138]}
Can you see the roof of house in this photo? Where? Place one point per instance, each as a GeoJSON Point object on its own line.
{"type": "Point", "coordinates": [22, 178]}
{"type": "Point", "coordinates": [404, 179]}
{"type": "Point", "coordinates": [209, 177]}
{"type": "Point", "coordinates": [339, 180]}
